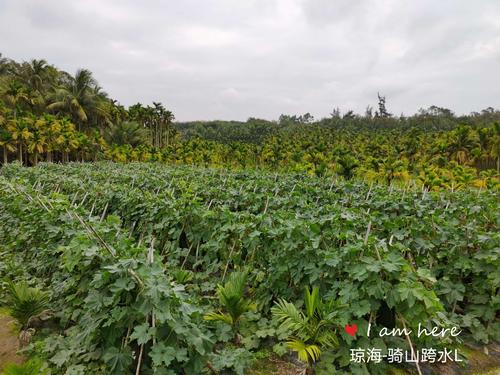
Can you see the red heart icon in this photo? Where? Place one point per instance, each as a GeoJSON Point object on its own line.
{"type": "Point", "coordinates": [351, 330]}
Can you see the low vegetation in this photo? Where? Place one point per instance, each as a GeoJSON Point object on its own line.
{"type": "Point", "coordinates": [134, 258]}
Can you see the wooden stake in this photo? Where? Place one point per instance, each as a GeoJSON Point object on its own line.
{"type": "Point", "coordinates": [411, 345]}
{"type": "Point", "coordinates": [368, 232]}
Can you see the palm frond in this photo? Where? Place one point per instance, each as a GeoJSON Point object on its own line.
{"type": "Point", "coordinates": [219, 316]}
{"type": "Point", "coordinates": [26, 302]}
{"type": "Point", "coordinates": [306, 353]}
{"type": "Point", "coordinates": [289, 316]}
{"type": "Point", "coordinates": [231, 295]}
{"type": "Point", "coordinates": [327, 338]}
{"type": "Point", "coordinates": [232, 299]}
{"type": "Point", "coordinates": [311, 299]}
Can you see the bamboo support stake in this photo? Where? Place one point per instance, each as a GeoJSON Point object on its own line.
{"type": "Point", "coordinates": [83, 200]}
{"type": "Point", "coordinates": [74, 199]}
{"type": "Point", "coordinates": [91, 229]}
{"type": "Point", "coordinates": [411, 346]}
{"type": "Point", "coordinates": [150, 261]}
{"type": "Point", "coordinates": [369, 192]}
{"type": "Point", "coordinates": [368, 232]}
{"type": "Point", "coordinates": [185, 258]}
{"type": "Point", "coordinates": [267, 205]}
{"type": "Point", "coordinates": [104, 212]}
{"type": "Point", "coordinates": [92, 209]}
{"type": "Point", "coordinates": [138, 369]}
{"type": "Point", "coordinates": [196, 255]}
{"type": "Point", "coordinates": [228, 260]}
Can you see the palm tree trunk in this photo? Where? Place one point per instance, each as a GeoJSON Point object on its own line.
{"type": "Point", "coordinates": [49, 156]}
{"type": "Point", "coordinates": [5, 158]}
{"type": "Point", "coordinates": [35, 161]}
{"type": "Point", "coordinates": [21, 153]}
{"type": "Point", "coordinates": [157, 135]}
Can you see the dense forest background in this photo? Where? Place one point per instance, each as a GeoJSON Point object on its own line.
{"type": "Point", "coordinates": [50, 115]}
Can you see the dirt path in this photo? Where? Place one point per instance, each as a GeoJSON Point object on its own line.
{"type": "Point", "coordinates": [8, 342]}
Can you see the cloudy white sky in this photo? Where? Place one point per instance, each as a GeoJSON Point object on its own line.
{"type": "Point", "coordinates": [233, 59]}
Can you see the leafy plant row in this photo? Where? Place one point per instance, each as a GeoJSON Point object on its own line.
{"type": "Point", "coordinates": [387, 256]}
{"type": "Point", "coordinates": [115, 306]}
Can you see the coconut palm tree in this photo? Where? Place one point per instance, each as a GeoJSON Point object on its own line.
{"type": "Point", "coordinates": [76, 98]}
{"type": "Point", "coordinates": [34, 73]}
{"type": "Point", "coordinates": [16, 97]}
{"type": "Point", "coordinates": [127, 132]}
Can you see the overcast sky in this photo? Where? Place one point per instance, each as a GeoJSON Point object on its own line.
{"type": "Point", "coordinates": [234, 59]}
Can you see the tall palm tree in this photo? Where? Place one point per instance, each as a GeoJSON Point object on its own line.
{"type": "Point", "coordinates": [20, 132]}
{"type": "Point", "coordinates": [53, 136]}
{"type": "Point", "coordinates": [34, 73]}
{"type": "Point", "coordinates": [15, 97]}
{"type": "Point", "coordinates": [69, 139]}
{"type": "Point", "coordinates": [37, 143]}
{"type": "Point", "coordinates": [348, 165]}
{"type": "Point", "coordinates": [127, 132]}
{"type": "Point", "coordinates": [6, 141]}
{"type": "Point", "coordinates": [462, 142]}
{"type": "Point", "coordinates": [76, 98]}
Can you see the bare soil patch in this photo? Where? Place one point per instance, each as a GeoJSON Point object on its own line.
{"type": "Point", "coordinates": [8, 342]}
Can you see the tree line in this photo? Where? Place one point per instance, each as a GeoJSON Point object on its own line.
{"type": "Point", "coordinates": [49, 115]}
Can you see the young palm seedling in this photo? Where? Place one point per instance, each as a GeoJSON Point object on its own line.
{"type": "Point", "coordinates": [310, 331]}
{"type": "Point", "coordinates": [26, 304]}
{"type": "Point", "coordinates": [232, 301]}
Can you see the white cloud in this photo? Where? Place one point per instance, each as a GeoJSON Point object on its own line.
{"type": "Point", "coordinates": [224, 59]}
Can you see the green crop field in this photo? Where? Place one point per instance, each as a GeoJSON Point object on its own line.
{"type": "Point", "coordinates": [186, 270]}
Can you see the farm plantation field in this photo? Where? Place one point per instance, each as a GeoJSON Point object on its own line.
{"type": "Point", "coordinates": [145, 268]}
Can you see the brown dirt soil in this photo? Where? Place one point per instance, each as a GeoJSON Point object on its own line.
{"type": "Point", "coordinates": [276, 366]}
{"type": "Point", "coordinates": [8, 342]}
{"type": "Point", "coordinates": [478, 361]}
